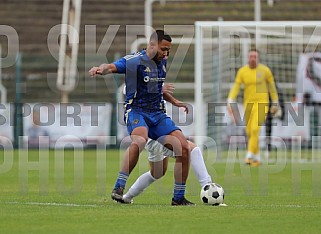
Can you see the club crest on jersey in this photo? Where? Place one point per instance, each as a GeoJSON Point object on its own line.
{"type": "Point", "coordinates": [135, 121]}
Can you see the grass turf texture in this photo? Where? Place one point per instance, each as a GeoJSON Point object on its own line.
{"type": "Point", "coordinates": [76, 197]}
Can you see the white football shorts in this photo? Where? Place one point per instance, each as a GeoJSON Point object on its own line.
{"type": "Point", "coordinates": [156, 151]}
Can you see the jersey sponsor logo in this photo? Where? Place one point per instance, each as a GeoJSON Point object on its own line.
{"type": "Point", "coordinates": [153, 79]}
{"type": "Point", "coordinates": [259, 77]}
{"type": "Point", "coordinates": [146, 79]}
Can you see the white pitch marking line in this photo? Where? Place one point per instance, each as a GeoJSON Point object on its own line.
{"type": "Point", "coordinates": [279, 206]}
{"type": "Point", "coordinates": [51, 204]}
{"type": "Point", "coordinates": [93, 205]}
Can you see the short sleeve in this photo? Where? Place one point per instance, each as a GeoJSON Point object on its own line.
{"type": "Point", "coordinates": [128, 64]}
{"type": "Point", "coordinates": [120, 65]}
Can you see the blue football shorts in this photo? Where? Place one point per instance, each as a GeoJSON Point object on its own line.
{"type": "Point", "coordinates": [157, 123]}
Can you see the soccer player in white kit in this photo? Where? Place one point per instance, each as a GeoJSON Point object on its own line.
{"type": "Point", "coordinates": [158, 157]}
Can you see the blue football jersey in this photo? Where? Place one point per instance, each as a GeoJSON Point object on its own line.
{"type": "Point", "coordinates": [144, 80]}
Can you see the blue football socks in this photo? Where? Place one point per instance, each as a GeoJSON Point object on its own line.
{"type": "Point", "coordinates": [121, 180]}
{"type": "Point", "coordinates": [179, 191]}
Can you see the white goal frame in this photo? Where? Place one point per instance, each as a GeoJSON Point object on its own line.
{"type": "Point", "coordinates": [200, 118]}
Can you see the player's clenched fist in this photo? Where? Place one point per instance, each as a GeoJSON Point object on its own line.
{"type": "Point", "coordinates": [93, 71]}
{"type": "Point", "coordinates": [103, 69]}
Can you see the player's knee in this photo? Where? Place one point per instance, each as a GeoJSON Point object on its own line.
{"type": "Point", "coordinates": [140, 142]}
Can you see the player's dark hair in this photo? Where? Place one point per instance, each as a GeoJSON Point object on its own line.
{"type": "Point", "coordinates": [254, 50]}
{"type": "Point", "coordinates": [160, 35]}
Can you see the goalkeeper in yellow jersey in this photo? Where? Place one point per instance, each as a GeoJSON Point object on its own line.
{"type": "Point", "coordinates": [258, 83]}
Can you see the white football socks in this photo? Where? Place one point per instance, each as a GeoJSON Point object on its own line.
{"type": "Point", "coordinates": [257, 157]}
{"type": "Point", "coordinates": [199, 168]}
{"type": "Point", "coordinates": [249, 155]}
{"type": "Point", "coordinates": [140, 185]}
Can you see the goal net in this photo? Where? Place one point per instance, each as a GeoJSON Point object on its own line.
{"type": "Point", "coordinates": [290, 49]}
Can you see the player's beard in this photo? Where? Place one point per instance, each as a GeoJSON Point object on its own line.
{"type": "Point", "coordinates": [157, 59]}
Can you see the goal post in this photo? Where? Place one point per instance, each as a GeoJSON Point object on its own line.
{"type": "Point", "coordinates": [286, 47]}
{"type": "Point", "coordinates": [68, 48]}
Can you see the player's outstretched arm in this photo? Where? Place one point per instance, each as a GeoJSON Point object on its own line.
{"type": "Point", "coordinates": [167, 90]}
{"type": "Point", "coordinates": [103, 69]}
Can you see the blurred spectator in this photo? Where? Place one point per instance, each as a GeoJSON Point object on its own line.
{"type": "Point", "coordinates": [270, 116]}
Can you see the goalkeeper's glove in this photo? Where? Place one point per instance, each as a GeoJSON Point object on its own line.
{"type": "Point", "coordinates": [275, 110]}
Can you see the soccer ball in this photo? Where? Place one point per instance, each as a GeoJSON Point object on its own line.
{"type": "Point", "coordinates": [212, 194]}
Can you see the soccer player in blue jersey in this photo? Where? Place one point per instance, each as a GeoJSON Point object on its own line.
{"type": "Point", "coordinates": [159, 154]}
{"type": "Point", "coordinates": [145, 117]}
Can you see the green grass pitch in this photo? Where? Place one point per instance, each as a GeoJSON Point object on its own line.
{"type": "Point", "coordinates": [69, 192]}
